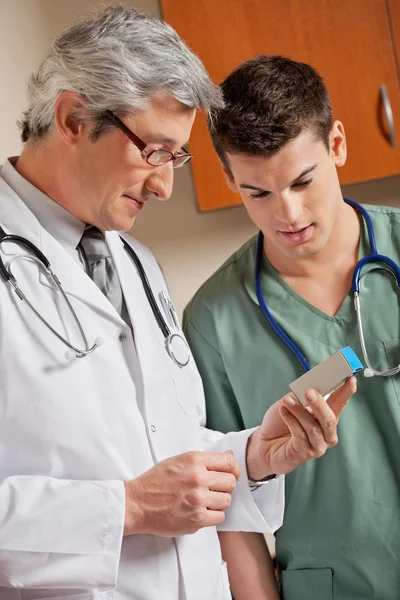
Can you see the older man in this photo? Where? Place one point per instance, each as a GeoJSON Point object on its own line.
{"type": "Point", "coordinates": [106, 466]}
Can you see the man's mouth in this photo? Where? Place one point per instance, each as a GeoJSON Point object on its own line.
{"type": "Point", "coordinates": [295, 230]}
{"type": "Point", "coordinates": [138, 202]}
{"type": "Point", "coordinates": [299, 235]}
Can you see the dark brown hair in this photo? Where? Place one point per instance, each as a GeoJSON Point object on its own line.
{"type": "Point", "coordinates": [269, 101]}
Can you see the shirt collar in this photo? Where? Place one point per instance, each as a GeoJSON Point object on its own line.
{"type": "Point", "coordinates": [62, 225]}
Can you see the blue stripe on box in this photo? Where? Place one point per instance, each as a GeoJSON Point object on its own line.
{"type": "Point", "coordinates": [352, 358]}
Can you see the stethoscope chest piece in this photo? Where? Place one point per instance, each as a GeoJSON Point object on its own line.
{"type": "Point", "coordinates": [178, 349]}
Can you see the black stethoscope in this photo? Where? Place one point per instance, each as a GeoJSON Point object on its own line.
{"type": "Point", "coordinates": [373, 256]}
{"type": "Point", "coordinates": [175, 344]}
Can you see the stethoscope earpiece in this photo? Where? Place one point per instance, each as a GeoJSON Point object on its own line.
{"type": "Point", "coordinates": [70, 355]}
{"type": "Point", "coordinates": [368, 373]}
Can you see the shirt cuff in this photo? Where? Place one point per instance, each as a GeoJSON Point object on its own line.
{"type": "Point", "coordinates": [260, 510]}
{"type": "Point", "coordinates": [113, 534]}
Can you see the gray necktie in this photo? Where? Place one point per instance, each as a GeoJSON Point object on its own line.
{"type": "Point", "coordinates": [100, 268]}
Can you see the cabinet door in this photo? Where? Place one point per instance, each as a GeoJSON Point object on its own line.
{"type": "Point", "coordinates": [394, 18]}
{"type": "Point", "coordinates": [347, 41]}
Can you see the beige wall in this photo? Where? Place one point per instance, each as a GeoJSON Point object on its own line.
{"type": "Point", "coordinates": [189, 245]}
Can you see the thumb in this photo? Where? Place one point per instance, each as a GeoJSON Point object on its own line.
{"type": "Point", "coordinates": [273, 426]}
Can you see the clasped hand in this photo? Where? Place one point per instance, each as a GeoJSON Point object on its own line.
{"type": "Point", "coordinates": [185, 493]}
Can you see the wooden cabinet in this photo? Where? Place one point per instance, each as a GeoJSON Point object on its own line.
{"type": "Point", "coordinates": [350, 42]}
{"type": "Point", "coordinates": [394, 20]}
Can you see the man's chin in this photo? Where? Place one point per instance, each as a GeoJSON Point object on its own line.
{"type": "Point", "coordinates": [122, 225]}
{"type": "Point", "coordinates": [302, 251]}
{"type": "Point", "coordinates": [127, 224]}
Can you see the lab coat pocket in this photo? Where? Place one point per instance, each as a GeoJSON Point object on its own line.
{"type": "Point", "coordinates": [307, 584]}
{"type": "Point", "coordinates": [188, 388]}
{"type": "Point", "coordinates": [84, 595]}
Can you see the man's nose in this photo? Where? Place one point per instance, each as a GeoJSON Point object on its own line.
{"type": "Point", "coordinates": [160, 181]}
{"type": "Point", "coordinates": [290, 208]}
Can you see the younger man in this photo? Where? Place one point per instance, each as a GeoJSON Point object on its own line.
{"type": "Point", "coordinates": [280, 148]}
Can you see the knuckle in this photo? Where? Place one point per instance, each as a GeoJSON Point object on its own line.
{"type": "Point", "coordinates": [333, 441]}
{"type": "Point", "coordinates": [197, 516]}
{"type": "Point", "coordinates": [231, 483]}
{"type": "Point", "coordinates": [303, 453]}
{"type": "Point", "coordinates": [311, 453]}
{"type": "Point", "coordinates": [227, 501]}
{"type": "Point", "coordinates": [220, 518]}
{"type": "Point", "coordinates": [315, 431]}
{"type": "Point", "coordinates": [319, 450]}
{"type": "Point", "coordinates": [193, 458]}
{"type": "Point", "coordinates": [197, 479]}
{"type": "Point", "coordinates": [230, 461]}
{"type": "Point", "coordinates": [195, 498]}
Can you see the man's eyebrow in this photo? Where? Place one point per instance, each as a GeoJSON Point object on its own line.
{"type": "Point", "coordinates": [251, 187]}
{"type": "Point", "coordinates": [306, 171]}
{"type": "Point", "coordinates": [160, 138]}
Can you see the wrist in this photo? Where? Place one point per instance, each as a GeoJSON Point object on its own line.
{"type": "Point", "coordinates": [256, 462]}
{"type": "Point", "coordinates": [133, 509]}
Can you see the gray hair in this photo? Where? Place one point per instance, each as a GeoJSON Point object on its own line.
{"type": "Point", "coordinates": [116, 61]}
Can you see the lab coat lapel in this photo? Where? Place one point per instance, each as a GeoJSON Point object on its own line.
{"type": "Point", "coordinates": [148, 336]}
{"type": "Point", "coordinates": [132, 288]}
{"type": "Point", "coordinates": [74, 279]}
{"type": "Point", "coordinates": [17, 219]}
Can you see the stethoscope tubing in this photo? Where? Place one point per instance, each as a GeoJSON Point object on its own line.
{"type": "Point", "coordinates": [148, 291]}
{"type": "Point", "coordinates": [267, 314]}
{"type": "Point", "coordinates": [169, 336]}
{"type": "Point", "coordinates": [37, 256]}
{"type": "Point", "coordinates": [374, 256]}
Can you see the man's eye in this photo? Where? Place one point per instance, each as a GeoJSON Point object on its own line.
{"type": "Point", "coordinates": [301, 184]}
{"type": "Point", "coordinates": [258, 195]}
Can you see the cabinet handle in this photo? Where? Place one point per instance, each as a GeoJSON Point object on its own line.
{"type": "Point", "coordinates": [389, 114]}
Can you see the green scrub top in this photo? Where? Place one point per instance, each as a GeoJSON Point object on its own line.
{"type": "Point", "coordinates": [341, 532]}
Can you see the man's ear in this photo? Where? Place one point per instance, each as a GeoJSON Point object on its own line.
{"type": "Point", "coordinates": [229, 179]}
{"type": "Point", "coordinates": [66, 108]}
{"type": "Point", "coordinates": [337, 144]}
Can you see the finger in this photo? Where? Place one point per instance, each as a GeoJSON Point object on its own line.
{"type": "Point", "coordinates": [272, 425]}
{"type": "Point", "coordinates": [221, 482]}
{"type": "Point", "coordinates": [320, 427]}
{"type": "Point", "coordinates": [315, 400]}
{"type": "Point", "coordinates": [299, 436]}
{"type": "Point", "coordinates": [221, 461]}
{"type": "Point", "coordinates": [218, 501]}
{"type": "Point", "coordinates": [213, 518]}
{"type": "Point", "coordinates": [324, 415]}
{"type": "Point", "coordinates": [340, 397]}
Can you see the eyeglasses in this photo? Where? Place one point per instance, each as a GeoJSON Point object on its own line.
{"type": "Point", "coordinates": [157, 157]}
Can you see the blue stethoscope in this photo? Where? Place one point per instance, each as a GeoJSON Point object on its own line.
{"type": "Point", "coordinates": [373, 256]}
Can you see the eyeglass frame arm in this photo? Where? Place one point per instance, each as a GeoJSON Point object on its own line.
{"type": "Point", "coordinates": [140, 144]}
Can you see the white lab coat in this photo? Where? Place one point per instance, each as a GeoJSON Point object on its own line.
{"type": "Point", "coordinates": [72, 432]}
